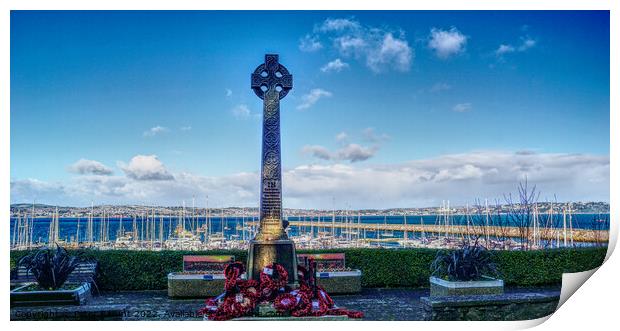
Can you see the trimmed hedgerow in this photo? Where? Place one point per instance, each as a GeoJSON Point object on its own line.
{"type": "Point", "coordinates": [146, 270]}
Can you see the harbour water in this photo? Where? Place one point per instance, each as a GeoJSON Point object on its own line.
{"type": "Point", "coordinates": [203, 229]}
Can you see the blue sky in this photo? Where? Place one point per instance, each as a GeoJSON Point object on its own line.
{"type": "Point", "coordinates": [430, 105]}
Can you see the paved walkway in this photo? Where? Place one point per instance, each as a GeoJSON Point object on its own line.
{"type": "Point", "coordinates": [377, 304]}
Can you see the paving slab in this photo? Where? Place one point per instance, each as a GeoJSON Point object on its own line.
{"type": "Point", "coordinates": [377, 304]}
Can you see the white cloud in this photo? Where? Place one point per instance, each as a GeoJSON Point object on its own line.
{"type": "Point", "coordinates": [30, 189]}
{"type": "Point", "coordinates": [146, 167]}
{"type": "Point", "coordinates": [348, 152]}
{"type": "Point", "coordinates": [526, 43]}
{"type": "Point", "coordinates": [459, 178]}
{"type": "Point", "coordinates": [335, 66]}
{"type": "Point", "coordinates": [462, 107]}
{"type": "Point", "coordinates": [342, 137]}
{"type": "Point", "coordinates": [447, 43]}
{"type": "Point", "coordinates": [356, 153]}
{"type": "Point", "coordinates": [337, 24]}
{"type": "Point", "coordinates": [379, 49]}
{"type": "Point", "coordinates": [307, 100]}
{"type": "Point", "coordinates": [370, 135]}
{"type": "Point", "coordinates": [350, 45]}
{"type": "Point", "coordinates": [438, 87]}
{"type": "Point", "coordinates": [503, 49]}
{"type": "Point", "coordinates": [392, 52]}
{"type": "Point", "coordinates": [309, 43]}
{"type": "Point", "coordinates": [317, 151]}
{"type": "Point", "coordinates": [241, 111]}
{"type": "Point", "coordinates": [228, 92]}
{"type": "Point", "coordinates": [186, 128]}
{"type": "Point", "coordinates": [90, 167]}
{"type": "Point", "coordinates": [155, 131]}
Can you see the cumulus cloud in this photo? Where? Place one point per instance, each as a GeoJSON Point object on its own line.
{"type": "Point", "coordinates": [356, 153]}
{"type": "Point", "coordinates": [30, 189]}
{"type": "Point", "coordinates": [146, 167]}
{"type": "Point", "coordinates": [342, 137]}
{"type": "Point", "coordinates": [438, 87]}
{"type": "Point", "coordinates": [309, 43]}
{"type": "Point", "coordinates": [317, 151]}
{"type": "Point", "coordinates": [241, 111]}
{"type": "Point", "coordinates": [348, 152]}
{"type": "Point", "coordinates": [334, 66]}
{"type": "Point", "coordinates": [462, 107]}
{"type": "Point", "coordinates": [447, 43]}
{"type": "Point", "coordinates": [504, 49]}
{"type": "Point", "coordinates": [307, 100]}
{"type": "Point", "coordinates": [155, 131]}
{"type": "Point", "coordinates": [393, 52]}
{"type": "Point", "coordinates": [90, 167]}
{"type": "Point", "coordinates": [337, 24]}
{"type": "Point", "coordinates": [459, 178]}
{"type": "Point", "coordinates": [526, 43]}
{"type": "Point", "coordinates": [380, 49]}
{"type": "Point", "coordinates": [369, 134]}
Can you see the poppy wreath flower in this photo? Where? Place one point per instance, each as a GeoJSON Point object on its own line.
{"type": "Point", "coordinates": [273, 278]}
{"type": "Point", "coordinates": [285, 302]}
{"type": "Point", "coordinates": [241, 296]}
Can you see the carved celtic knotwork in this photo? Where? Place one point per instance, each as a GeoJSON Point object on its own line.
{"type": "Point", "coordinates": [271, 82]}
{"type": "Point", "coordinates": [271, 75]}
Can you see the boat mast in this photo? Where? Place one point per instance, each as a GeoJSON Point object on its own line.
{"type": "Point", "coordinates": [208, 219]}
{"type": "Point", "coordinates": [30, 227]}
{"type": "Point", "coordinates": [564, 224]}
{"type": "Point", "coordinates": [570, 222]}
{"type": "Point", "coordinates": [486, 228]}
{"type": "Point", "coordinates": [333, 220]}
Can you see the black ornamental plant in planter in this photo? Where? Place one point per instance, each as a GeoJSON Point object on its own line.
{"type": "Point", "coordinates": [51, 269]}
{"type": "Point", "coordinates": [468, 270]}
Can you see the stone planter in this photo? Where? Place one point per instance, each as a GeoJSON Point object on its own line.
{"type": "Point", "coordinates": [77, 296]}
{"type": "Point", "coordinates": [340, 282]}
{"type": "Point", "coordinates": [182, 285]}
{"type": "Point", "coordinates": [441, 287]}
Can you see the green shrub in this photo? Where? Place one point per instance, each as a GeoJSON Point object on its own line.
{"type": "Point", "coordinates": [146, 270]}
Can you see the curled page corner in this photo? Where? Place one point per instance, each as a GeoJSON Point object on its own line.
{"type": "Point", "coordinates": [528, 324]}
{"type": "Point", "coordinates": [571, 282]}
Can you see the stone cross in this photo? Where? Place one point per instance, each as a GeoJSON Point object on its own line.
{"type": "Point", "coordinates": [271, 82]}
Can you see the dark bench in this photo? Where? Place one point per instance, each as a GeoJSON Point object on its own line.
{"type": "Point", "coordinates": [85, 272]}
{"type": "Point", "coordinates": [324, 261]}
{"type": "Point", "coordinates": [206, 263]}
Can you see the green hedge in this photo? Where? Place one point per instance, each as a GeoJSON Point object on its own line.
{"type": "Point", "coordinates": [145, 270]}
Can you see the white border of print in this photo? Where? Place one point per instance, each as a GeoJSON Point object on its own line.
{"type": "Point", "coordinates": [593, 306]}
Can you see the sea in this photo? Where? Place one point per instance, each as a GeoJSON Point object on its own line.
{"type": "Point", "coordinates": [71, 229]}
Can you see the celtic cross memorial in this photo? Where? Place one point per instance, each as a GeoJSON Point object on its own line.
{"type": "Point", "coordinates": [271, 82]}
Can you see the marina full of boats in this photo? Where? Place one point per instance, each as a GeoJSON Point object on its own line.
{"type": "Point", "coordinates": [187, 230]}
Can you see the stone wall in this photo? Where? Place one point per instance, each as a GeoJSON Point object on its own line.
{"type": "Point", "coordinates": [504, 307]}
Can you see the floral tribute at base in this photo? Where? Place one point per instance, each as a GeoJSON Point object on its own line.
{"type": "Point", "coordinates": [241, 297]}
